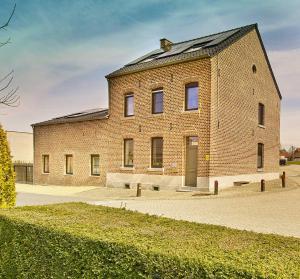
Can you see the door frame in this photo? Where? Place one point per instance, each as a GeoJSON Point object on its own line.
{"type": "Point", "coordinates": [186, 139]}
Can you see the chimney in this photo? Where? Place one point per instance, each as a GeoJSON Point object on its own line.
{"type": "Point", "coordinates": [165, 44]}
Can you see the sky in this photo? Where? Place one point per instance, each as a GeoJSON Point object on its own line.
{"type": "Point", "coordinates": [61, 50]}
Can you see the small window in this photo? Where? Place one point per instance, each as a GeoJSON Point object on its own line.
{"type": "Point", "coordinates": [261, 114]}
{"type": "Point", "coordinates": [157, 101]}
{"type": "Point", "coordinates": [69, 164]}
{"type": "Point", "coordinates": [45, 163]}
{"type": "Point", "coordinates": [128, 152]}
{"type": "Point", "coordinates": [260, 156]}
{"type": "Point", "coordinates": [129, 105]}
{"type": "Point", "coordinates": [191, 96]}
{"type": "Point", "coordinates": [254, 69]}
{"type": "Point", "coordinates": [157, 152]}
{"type": "Point", "coordinates": [95, 164]}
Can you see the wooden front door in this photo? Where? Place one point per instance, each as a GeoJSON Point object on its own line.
{"type": "Point", "coordinates": [191, 161]}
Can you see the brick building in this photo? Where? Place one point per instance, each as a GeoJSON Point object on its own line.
{"type": "Point", "coordinates": [183, 115]}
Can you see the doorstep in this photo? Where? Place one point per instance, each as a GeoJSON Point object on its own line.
{"type": "Point", "coordinates": [193, 189]}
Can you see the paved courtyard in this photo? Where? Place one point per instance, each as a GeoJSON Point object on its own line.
{"type": "Point", "coordinates": [275, 211]}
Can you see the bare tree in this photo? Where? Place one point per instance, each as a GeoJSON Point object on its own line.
{"type": "Point", "coordinates": [8, 95]}
{"type": "Point", "coordinates": [292, 152]}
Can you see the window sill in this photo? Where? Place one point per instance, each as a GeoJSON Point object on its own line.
{"type": "Point", "coordinates": [94, 175]}
{"type": "Point", "coordinates": [128, 117]}
{"type": "Point", "coordinates": [190, 111]}
{"type": "Point", "coordinates": [46, 173]}
{"type": "Point", "coordinates": [156, 169]}
{"type": "Point", "coordinates": [262, 126]}
{"type": "Point", "coordinates": [260, 170]}
{"type": "Point", "coordinates": [127, 168]}
{"type": "Point", "coordinates": [157, 114]}
{"type": "Point", "coordinates": [68, 174]}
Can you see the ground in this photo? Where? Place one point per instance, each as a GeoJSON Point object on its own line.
{"type": "Point", "coordinates": [275, 211]}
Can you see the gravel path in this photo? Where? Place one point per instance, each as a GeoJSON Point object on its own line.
{"type": "Point", "coordinates": [267, 213]}
{"type": "Point", "coordinates": [275, 211]}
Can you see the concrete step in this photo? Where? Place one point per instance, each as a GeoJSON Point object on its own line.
{"type": "Point", "coordinates": [240, 183]}
{"type": "Point", "coordinates": [193, 189]}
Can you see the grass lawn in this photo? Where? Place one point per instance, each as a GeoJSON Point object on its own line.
{"type": "Point", "coordinates": [293, 162]}
{"type": "Point", "coordinates": [77, 240]}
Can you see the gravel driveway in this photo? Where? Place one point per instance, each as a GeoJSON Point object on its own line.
{"type": "Point", "coordinates": [275, 211]}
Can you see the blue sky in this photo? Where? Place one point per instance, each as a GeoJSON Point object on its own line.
{"type": "Point", "coordinates": [61, 50]}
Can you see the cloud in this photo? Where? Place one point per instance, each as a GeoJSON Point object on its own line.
{"type": "Point", "coordinates": [62, 50]}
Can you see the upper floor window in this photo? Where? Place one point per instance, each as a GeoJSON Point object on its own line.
{"type": "Point", "coordinates": [157, 152]}
{"type": "Point", "coordinates": [69, 164]}
{"type": "Point", "coordinates": [191, 96]}
{"type": "Point", "coordinates": [261, 114]}
{"type": "Point", "coordinates": [157, 101]}
{"type": "Point", "coordinates": [45, 163]}
{"type": "Point", "coordinates": [129, 105]}
{"type": "Point", "coordinates": [95, 164]}
{"type": "Point", "coordinates": [260, 156]}
{"type": "Point", "coordinates": [128, 152]}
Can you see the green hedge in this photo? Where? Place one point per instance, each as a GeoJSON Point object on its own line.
{"type": "Point", "coordinates": [293, 162]}
{"type": "Point", "coordinates": [82, 241]}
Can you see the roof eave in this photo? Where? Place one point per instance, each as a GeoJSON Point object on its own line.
{"type": "Point", "coordinates": [268, 62]}
{"type": "Point", "coordinates": [49, 122]}
{"type": "Point", "coordinates": [112, 75]}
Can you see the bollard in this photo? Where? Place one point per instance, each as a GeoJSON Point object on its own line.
{"type": "Point", "coordinates": [139, 190]}
{"type": "Point", "coordinates": [216, 187]}
{"type": "Point", "coordinates": [262, 185]}
{"type": "Point", "coordinates": [283, 179]}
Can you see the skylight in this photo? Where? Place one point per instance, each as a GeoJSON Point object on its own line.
{"type": "Point", "coordinates": [150, 58]}
{"type": "Point", "coordinates": [197, 46]}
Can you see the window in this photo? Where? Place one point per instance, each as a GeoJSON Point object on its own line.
{"type": "Point", "coordinates": [128, 152]}
{"type": "Point", "coordinates": [45, 163]}
{"type": "Point", "coordinates": [157, 101]}
{"type": "Point", "coordinates": [260, 156]}
{"type": "Point", "coordinates": [95, 164]}
{"type": "Point", "coordinates": [191, 96]}
{"type": "Point", "coordinates": [69, 164]}
{"type": "Point", "coordinates": [129, 105]}
{"type": "Point", "coordinates": [254, 69]}
{"type": "Point", "coordinates": [261, 114]}
{"type": "Point", "coordinates": [157, 153]}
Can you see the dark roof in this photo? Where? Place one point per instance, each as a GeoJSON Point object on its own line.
{"type": "Point", "coordinates": [86, 115]}
{"type": "Point", "coordinates": [206, 46]}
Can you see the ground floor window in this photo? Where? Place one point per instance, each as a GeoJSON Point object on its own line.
{"type": "Point", "coordinates": [69, 164]}
{"type": "Point", "coordinates": [157, 152]}
{"type": "Point", "coordinates": [260, 156]}
{"type": "Point", "coordinates": [95, 164]}
{"type": "Point", "coordinates": [128, 152]}
{"type": "Point", "coordinates": [45, 163]}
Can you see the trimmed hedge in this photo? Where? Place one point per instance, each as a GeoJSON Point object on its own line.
{"type": "Point", "coordinates": [76, 240]}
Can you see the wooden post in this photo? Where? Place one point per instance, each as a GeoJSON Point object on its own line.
{"type": "Point", "coordinates": [262, 185]}
{"type": "Point", "coordinates": [138, 190]}
{"type": "Point", "coordinates": [283, 179]}
{"type": "Point", "coordinates": [216, 187]}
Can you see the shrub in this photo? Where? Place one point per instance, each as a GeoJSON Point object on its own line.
{"type": "Point", "coordinates": [7, 177]}
{"type": "Point", "coordinates": [83, 241]}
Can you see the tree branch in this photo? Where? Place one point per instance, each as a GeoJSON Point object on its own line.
{"type": "Point", "coordinates": [9, 19]}
{"type": "Point", "coordinates": [10, 98]}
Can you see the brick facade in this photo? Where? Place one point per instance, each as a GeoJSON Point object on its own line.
{"type": "Point", "coordinates": [226, 124]}
{"type": "Point", "coordinates": [236, 93]}
{"type": "Point", "coordinates": [81, 140]}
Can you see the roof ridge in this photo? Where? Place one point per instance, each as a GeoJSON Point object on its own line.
{"type": "Point", "coordinates": [252, 25]}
